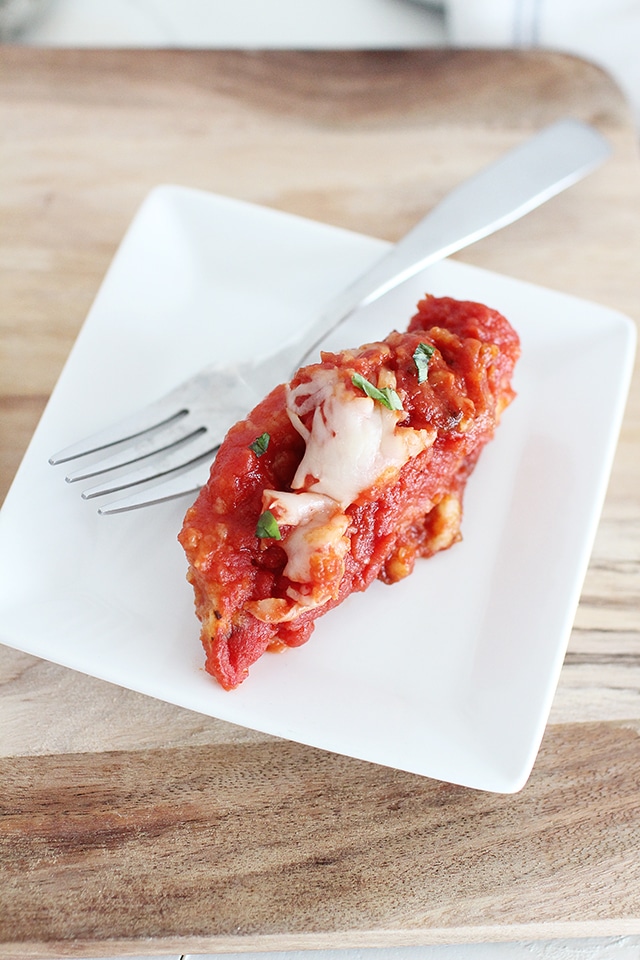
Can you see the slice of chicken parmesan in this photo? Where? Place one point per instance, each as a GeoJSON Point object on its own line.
{"type": "Point", "coordinates": [345, 475]}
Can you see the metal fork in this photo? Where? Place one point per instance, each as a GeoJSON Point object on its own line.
{"type": "Point", "coordinates": [172, 442]}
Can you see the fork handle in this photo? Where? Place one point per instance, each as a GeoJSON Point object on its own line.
{"type": "Point", "coordinates": [520, 180]}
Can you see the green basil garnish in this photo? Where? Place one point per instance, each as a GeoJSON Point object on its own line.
{"type": "Point", "coordinates": [387, 397]}
{"type": "Point", "coordinates": [421, 357]}
{"type": "Point", "coordinates": [267, 527]}
{"type": "Point", "coordinates": [260, 444]}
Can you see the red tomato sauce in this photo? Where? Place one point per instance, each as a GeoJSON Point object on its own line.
{"type": "Point", "coordinates": [391, 524]}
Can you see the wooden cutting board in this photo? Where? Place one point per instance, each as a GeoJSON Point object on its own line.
{"type": "Point", "coordinates": [129, 825]}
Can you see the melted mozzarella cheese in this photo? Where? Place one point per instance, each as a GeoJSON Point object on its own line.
{"type": "Point", "coordinates": [316, 548]}
{"type": "Point", "coordinates": [353, 440]}
{"type": "Point", "coordinates": [296, 508]}
{"type": "Point", "coordinates": [318, 538]}
{"type": "Point", "coordinates": [352, 443]}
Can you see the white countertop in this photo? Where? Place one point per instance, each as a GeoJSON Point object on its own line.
{"type": "Point", "coordinates": [605, 31]}
{"type": "Point", "coordinates": [242, 23]}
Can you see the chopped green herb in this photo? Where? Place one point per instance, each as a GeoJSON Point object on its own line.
{"type": "Point", "coordinates": [260, 444]}
{"type": "Point", "coordinates": [267, 527]}
{"type": "Point", "coordinates": [387, 397]}
{"type": "Point", "coordinates": [421, 357]}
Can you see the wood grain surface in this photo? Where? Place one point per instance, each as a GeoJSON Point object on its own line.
{"type": "Point", "coordinates": [316, 850]}
{"type": "Point", "coordinates": [129, 825]}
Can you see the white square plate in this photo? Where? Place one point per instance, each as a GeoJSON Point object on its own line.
{"type": "Point", "coordinates": [450, 673]}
